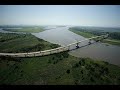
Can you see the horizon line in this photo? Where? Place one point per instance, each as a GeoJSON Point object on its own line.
{"type": "Point", "coordinates": [54, 25]}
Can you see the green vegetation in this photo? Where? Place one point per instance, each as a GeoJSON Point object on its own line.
{"type": "Point", "coordinates": [57, 69]}
{"type": "Point", "coordinates": [90, 32]}
{"type": "Point", "coordinates": [114, 37]}
{"type": "Point", "coordinates": [88, 71]}
{"type": "Point", "coordinates": [84, 34]}
{"type": "Point", "coordinates": [36, 70]}
{"type": "Point", "coordinates": [11, 42]}
{"type": "Point", "coordinates": [112, 41]}
{"type": "Point", "coordinates": [26, 29]}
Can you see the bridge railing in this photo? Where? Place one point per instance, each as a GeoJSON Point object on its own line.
{"type": "Point", "coordinates": [86, 40]}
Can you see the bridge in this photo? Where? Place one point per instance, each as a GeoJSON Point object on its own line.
{"type": "Point", "coordinates": [56, 50]}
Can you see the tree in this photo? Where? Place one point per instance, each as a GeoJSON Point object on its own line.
{"type": "Point", "coordinates": [76, 82]}
{"type": "Point", "coordinates": [80, 62]}
{"type": "Point", "coordinates": [91, 79]}
{"type": "Point", "coordinates": [106, 71]}
{"type": "Point", "coordinates": [53, 58]}
{"type": "Point", "coordinates": [49, 61]}
{"type": "Point", "coordinates": [65, 54]}
{"type": "Point", "coordinates": [82, 71]}
{"type": "Point", "coordinates": [75, 65]}
{"type": "Point", "coordinates": [68, 71]}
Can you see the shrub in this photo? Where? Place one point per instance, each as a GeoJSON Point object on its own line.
{"type": "Point", "coordinates": [68, 71]}
{"type": "Point", "coordinates": [106, 63]}
{"type": "Point", "coordinates": [53, 58]}
{"type": "Point", "coordinates": [54, 46]}
{"type": "Point", "coordinates": [76, 82]}
{"type": "Point", "coordinates": [49, 61]}
{"type": "Point", "coordinates": [106, 71]}
{"type": "Point", "coordinates": [65, 54]}
{"type": "Point", "coordinates": [79, 62]}
{"type": "Point", "coordinates": [21, 75]}
{"type": "Point", "coordinates": [16, 67]}
{"type": "Point", "coordinates": [81, 71]}
{"type": "Point", "coordinates": [82, 61]}
{"type": "Point", "coordinates": [7, 64]}
{"type": "Point", "coordinates": [91, 79]}
{"type": "Point", "coordinates": [75, 65]}
{"type": "Point", "coordinates": [54, 62]}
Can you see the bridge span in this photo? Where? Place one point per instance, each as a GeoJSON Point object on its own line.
{"type": "Point", "coordinates": [56, 50]}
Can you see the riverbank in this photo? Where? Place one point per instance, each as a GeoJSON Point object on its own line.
{"type": "Point", "coordinates": [84, 34]}
{"type": "Point", "coordinates": [112, 41]}
{"type": "Point", "coordinates": [26, 29]}
{"type": "Point", "coordinates": [11, 42]}
{"type": "Point", "coordinates": [89, 35]}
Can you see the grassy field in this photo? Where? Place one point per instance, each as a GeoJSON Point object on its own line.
{"type": "Point", "coordinates": [88, 35]}
{"type": "Point", "coordinates": [26, 29]}
{"type": "Point", "coordinates": [84, 34]}
{"type": "Point", "coordinates": [10, 42]}
{"type": "Point", "coordinates": [57, 69]}
{"type": "Point", "coordinates": [112, 41]}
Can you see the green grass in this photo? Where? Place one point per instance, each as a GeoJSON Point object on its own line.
{"type": "Point", "coordinates": [112, 41]}
{"type": "Point", "coordinates": [36, 70]}
{"type": "Point", "coordinates": [93, 72]}
{"type": "Point", "coordinates": [89, 35]}
{"type": "Point", "coordinates": [27, 30]}
{"type": "Point", "coordinates": [84, 34]}
{"type": "Point", "coordinates": [10, 42]}
{"type": "Point", "coordinates": [43, 71]}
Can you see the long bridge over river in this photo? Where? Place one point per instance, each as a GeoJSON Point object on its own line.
{"type": "Point", "coordinates": [56, 50]}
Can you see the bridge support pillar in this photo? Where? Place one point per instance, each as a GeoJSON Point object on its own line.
{"type": "Point", "coordinates": [89, 41]}
{"type": "Point", "coordinates": [77, 46]}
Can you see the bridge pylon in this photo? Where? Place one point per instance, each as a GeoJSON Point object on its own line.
{"type": "Point", "coordinates": [89, 41]}
{"type": "Point", "coordinates": [77, 46]}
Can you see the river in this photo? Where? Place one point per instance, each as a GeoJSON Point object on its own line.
{"type": "Point", "coordinates": [63, 37]}
{"type": "Point", "coordinates": [59, 36]}
{"type": "Point", "coordinates": [98, 51]}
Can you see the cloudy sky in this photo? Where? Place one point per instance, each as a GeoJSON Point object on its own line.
{"type": "Point", "coordinates": [83, 15]}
